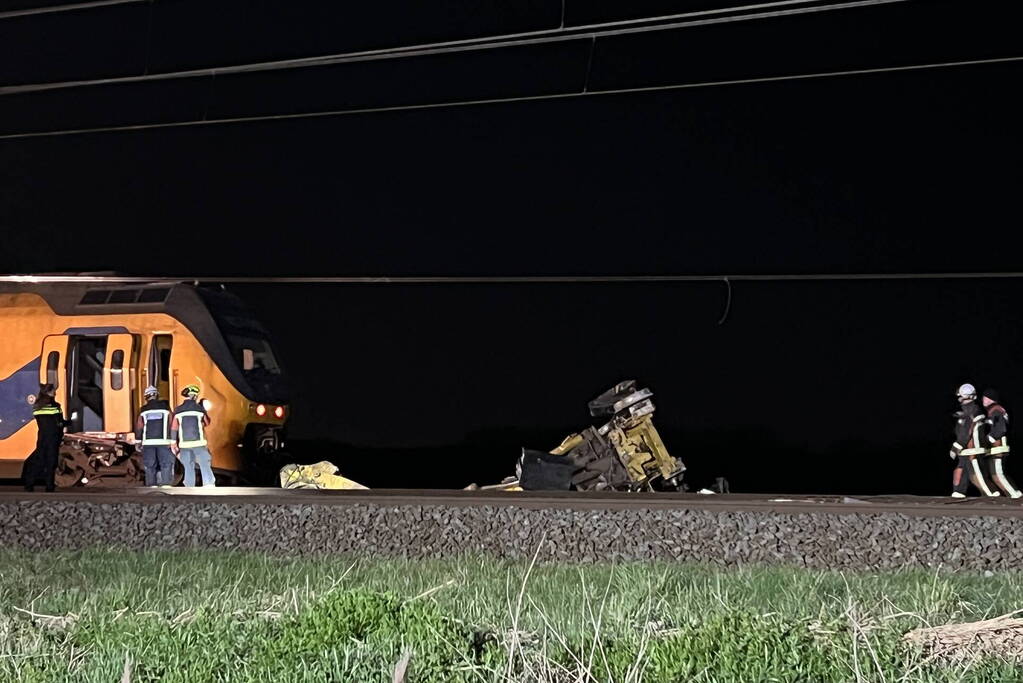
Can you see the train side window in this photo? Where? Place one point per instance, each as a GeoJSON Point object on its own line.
{"type": "Point", "coordinates": [153, 296]}
{"type": "Point", "coordinates": [117, 370]}
{"type": "Point", "coordinates": [165, 365]}
{"type": "Point", "coordinates": [123, 296]}
{"type": "Point", "coordinates": [95, 297]}
{"type": "Point", "coordinates": [52, 363]}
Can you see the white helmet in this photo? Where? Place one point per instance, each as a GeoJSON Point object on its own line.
{"type": "Point", "coordinates": [967, 391]}
{"type": "Point", "coordinates": [151, 391]}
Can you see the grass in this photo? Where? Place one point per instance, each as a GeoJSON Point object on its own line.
{"type": "Point", "coordinates": [240, 617]}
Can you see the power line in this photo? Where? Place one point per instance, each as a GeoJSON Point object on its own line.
{"type": "Point", "coordinates": [527, 98]}
{"type": "Point", "coordinates": [68, 7]}
{"type": "Point", "coordinates": [501, 279]}
{"type": "Point", "coordinates": [470, 44]}
{"type": "Point", "coordinates": [558, 35]}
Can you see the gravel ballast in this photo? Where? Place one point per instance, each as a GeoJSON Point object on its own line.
{"type": "Point", "coordinates": [867, 540]}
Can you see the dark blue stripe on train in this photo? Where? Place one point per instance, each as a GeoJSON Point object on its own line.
{"type": "Point", "coordinates": [15, 411]}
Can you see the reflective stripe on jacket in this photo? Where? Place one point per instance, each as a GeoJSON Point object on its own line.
{"type": "Point", "coordinates": [156, 427]}
{"type": "Point", "coordinates": [191, 432]}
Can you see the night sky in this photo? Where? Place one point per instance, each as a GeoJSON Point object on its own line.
{"type": "Point", "coordinates": [805, 386]}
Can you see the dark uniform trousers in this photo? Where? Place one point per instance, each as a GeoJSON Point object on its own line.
{"type": "Point", "coordinates": [998, 438]}
{"type": "Point", "coordinates": [968, 447]}
{"type": "Point", "coordinates": [158, 462]}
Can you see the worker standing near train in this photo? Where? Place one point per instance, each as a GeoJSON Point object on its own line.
{"type": "Point", "coordinates": [969, 444]}
{"type": "Point", "coordinates": [188, 433]}
{"type": "Point", "coordinates": [49, 416]}
{"type": "Point", "coordinates": [998, 443]}
{"type": "Point", "coordinates": [153, 430]}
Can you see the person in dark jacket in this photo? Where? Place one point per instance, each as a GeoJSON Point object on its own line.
{"type": "Point", "coordinates": [998, 443]}
{"type": "Point", "coordinates": [50, 424]}
{"type": "Point", "coordinates": [969, 445]}
{"type": "Point", "coordinates": [153, 431]}
{"type": "Point", "coordinates": [188, 432]}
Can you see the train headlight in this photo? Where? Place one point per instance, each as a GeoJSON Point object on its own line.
{"type": "Point", "coordinates": [261, 410]}
{"type": "Point", "coordinates": [279, 412]}
{"type": "Point", "coordinates": [207, 404]}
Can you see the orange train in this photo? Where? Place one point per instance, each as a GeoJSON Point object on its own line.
{"type": "Point", "coordinates": [102, 345]}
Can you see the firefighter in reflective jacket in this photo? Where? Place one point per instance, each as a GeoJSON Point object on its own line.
{"type": "Point", "coordinates": [968, 445]}
{"type": "Point", "coordinates": [188, 432]}
{"type": "Point", "coordinates": [153, 429]}
{"type": "Point", "coordinates": [998, 443]}
{"type": "Point", "coordinates": [49, 416]}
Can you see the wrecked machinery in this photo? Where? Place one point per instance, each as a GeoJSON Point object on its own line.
{"type": "Point", "coordinates": [625, 453]}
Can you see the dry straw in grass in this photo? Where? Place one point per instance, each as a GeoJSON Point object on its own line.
{"type": "Point", "coordinates": [1001, 637]}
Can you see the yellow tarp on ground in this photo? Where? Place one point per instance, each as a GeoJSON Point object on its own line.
{"type": "Point", "coordinates": [322, 475]}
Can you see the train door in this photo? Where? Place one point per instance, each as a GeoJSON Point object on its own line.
{"type": "Point", "coordinates": [85, 403]}
{"type": "Point", "coordinates": [119, 385]}
{"type": "Point", "coordinates": [101, 383]}
{"type": "Point", "coordinates": [53, 366]}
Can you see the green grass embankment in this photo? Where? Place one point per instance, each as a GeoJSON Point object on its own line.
{"type": "Point", "coordinates": [233, 617]}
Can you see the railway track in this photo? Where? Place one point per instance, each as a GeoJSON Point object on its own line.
{"type": "Point", "coordinates": [780, 504]}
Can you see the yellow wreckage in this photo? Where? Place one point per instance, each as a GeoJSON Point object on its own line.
{"type": "Point", "coordinates": [322, 475]}
{"type": "Point", "coordinates": [625, 453]}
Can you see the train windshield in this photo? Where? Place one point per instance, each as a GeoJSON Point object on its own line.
{"type": "Point", "coordinates": [250, 345]}
{"type": "Point", "coordinates": [255, 353]}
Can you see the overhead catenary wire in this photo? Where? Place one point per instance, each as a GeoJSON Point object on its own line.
{"type": "Point", "coordinates": [494, 279]}
{"type": "Point", "coordinates": [592, 31]}
{"type": "Point", "coordinates": [68, 7]}
{"type": "Point", "coordinates": [529, 98]}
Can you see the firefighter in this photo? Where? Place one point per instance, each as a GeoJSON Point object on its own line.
{"type": "Point", "coordinates": [968, 445]}
{"type": "Point", "coordinates": [188, 436]}
{"type": "Point", "coordinates": [998, 443]}
{"type": "Point", "coordinates": [153, 430]}
{"type": "Point", "coordinates": [49, 416]}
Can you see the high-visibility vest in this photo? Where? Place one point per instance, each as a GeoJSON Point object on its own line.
{"type": "Point", "coordinates": [49, 418]}
{"type": "Point", "coordinates": [191, 433]}
{"type": "Point", "coordinates": [156, 427]}
{"type": "Point", "coordinates": [47, 410]}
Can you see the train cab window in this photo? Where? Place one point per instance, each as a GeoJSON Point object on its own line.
{"type": "Point", "coordinates": [52, 366]}
{"type": "Point", "coordinates": [117, 370]}
{"type": "Point", "coordinates": [256, 354]}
